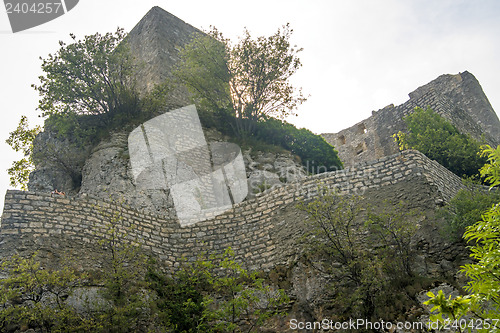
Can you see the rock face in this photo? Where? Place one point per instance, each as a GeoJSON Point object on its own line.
{"type": "Point", "coordinates": [266, 171]}
{"type": "Point", "coordinates": [107, 173]}
{"type": "Point", "coordinates": [458, 98]}
{"type": "Point", "coordinates": [58, 164]}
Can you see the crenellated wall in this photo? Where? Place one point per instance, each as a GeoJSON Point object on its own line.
{"type": "Point", "coordinates": [255, 229]}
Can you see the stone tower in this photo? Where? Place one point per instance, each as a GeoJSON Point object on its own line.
{"type": "Point", "coordinates": [155, 42]}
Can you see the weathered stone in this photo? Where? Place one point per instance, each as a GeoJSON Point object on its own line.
{"type": "Point", "coordinates": [458, 98]}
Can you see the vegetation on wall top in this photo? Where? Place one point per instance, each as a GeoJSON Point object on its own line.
{"type": "Point", "coordinates": [439, 140]}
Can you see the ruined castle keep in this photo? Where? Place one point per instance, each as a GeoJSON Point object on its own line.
{"type": "Point", "coordinates": [263, 230]}
{"type": "Point", "coordinates": [458, 98]}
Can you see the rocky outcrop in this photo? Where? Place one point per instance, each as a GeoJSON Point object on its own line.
{"type": "Point", "coordinates": [266, 171]}
{"type": "Point", "coordinates": [107, 173]}
{"type": "Point", "coordinates": [58, 164]}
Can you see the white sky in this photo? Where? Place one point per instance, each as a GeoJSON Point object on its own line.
{"type": "Point", "coordinates": [358, 56]}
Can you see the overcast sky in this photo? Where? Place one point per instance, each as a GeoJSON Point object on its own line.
{"type": "Point", "coordinates": [358, 56]}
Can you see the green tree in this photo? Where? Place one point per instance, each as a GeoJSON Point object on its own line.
{"type": "Point", "coordinates": [483, 299]}
{"type": "Point", "coordinates": [338, 238]}
{"type": "Point", "coordinates": [31, 296]}
{"type": "Point", "coordinates": [21, 140]}
{"type": "Point", "coordinates": [179, 298]}
{"type": "Point", "coordinates": [439, 140]}
{"type": "Point", "coordinates": [361, 274]}
{"type": "Point", "coordinates": [123, 281]}
{"type": "Point", "coordinates": [240, 297]}
{"type": "Point", "coordinates": [89, 76]}
{"type": "Point", "coordinates": [215, 294]}
{"type": "Point", "coordinates": [87, 89]}
{"type": "Point", "coordinates": [248, 80]}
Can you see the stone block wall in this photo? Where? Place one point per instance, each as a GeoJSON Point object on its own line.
{"type": "Point", "coordinates": [458, 98]}
{"type": "Point", "coordinates": [253, 228]}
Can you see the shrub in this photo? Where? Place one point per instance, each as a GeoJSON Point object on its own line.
{"type": "Point", "coordinates": [439, 140]}
{"type": "Point", "coordinates": [316, 154]}
{"type": "Point", "coordinates": [483, 300]}
{"type": "Point", "coordinates": [466, 208]}
{"type": "Point", "coordinates": [360, 275]}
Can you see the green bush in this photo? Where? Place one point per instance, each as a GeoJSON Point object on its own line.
{"type": "Point", "coordinates": [211, 294]}
{"type": "Point", "coordinates": [365, 281]}
{"type": "Point", "coordinates": [439, 140]}
{"type": "Point", "coordinates": [466, 208]}
{"type": "Point", "coordinates": [215, 294]}
{"type": "Point", "coordinates": [316, 154]}
{"type": "Point", "coordinates": [483, 286]}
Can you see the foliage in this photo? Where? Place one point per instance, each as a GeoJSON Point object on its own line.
{"type": "Point", "coordinates": [452, 309]}
{"type": "Point", "coordinates": [34, 297]}
{"type": "Point", "coordinates": [439, 140]}
{"type": "Point", "coordinates": [393, 227]}
{"type": "Point", "coordinates": [215, 295]}
{"type": "Point", "coordinates": [156, 101]}
{"type": "Point", "coordinates": [123, 278]}
{"type": "Point", "coordinates": [21, 140]}
{"type": "Point", "coordinates": [179, 300]}
{"type": "Point", "coordinates": [240, 296]}
{"type": "Point", "coordinates": [89, 76]}
{"type": "Point", "coordinates": [248, 80]}
{"type": "Point", "coordinates": [87, 91]}
{"type": "Point", "coordinates": [484, 272]}
{"type": "Point", "coordinates": [315, 153]}
{"type": "Point", "coordinates": [491, 169]}
{"type": "Point", "coordinates": [203, 69]}
{"type": "Point", "coordinates": [207, 295]}
{"type": "Point", "coordinates": [466, 208]}
{"type": "Point", "coordinates": [360, 275]}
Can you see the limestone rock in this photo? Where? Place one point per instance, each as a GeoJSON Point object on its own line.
{"type": "Point", "coordinates": [107, 174]}
{"type": "Point", "coordinates": [58, 164]}
{"type": "Point", "coordinates": [267, 170]}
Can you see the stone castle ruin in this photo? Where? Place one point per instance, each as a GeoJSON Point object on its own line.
{"type": "Point", "coordinates": [263, 230]}
{"type": "Point", "coordinates": [458, 98]}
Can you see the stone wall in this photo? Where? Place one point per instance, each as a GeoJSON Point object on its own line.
{"type": "Point", "coordinates": [458, 98]}
{"type": "Point", "coordinates": [256, 229]}
{"type": "Point", "coordinates": [155, 43]}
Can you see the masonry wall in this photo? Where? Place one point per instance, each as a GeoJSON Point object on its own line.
{"type": "Point", "coordinates": [54, 224]}
{"type": "Point", "coordinates": [458, 98]}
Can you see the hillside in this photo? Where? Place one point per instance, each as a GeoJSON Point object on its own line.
{"type": "Point", "coordinates": [273, 233]}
